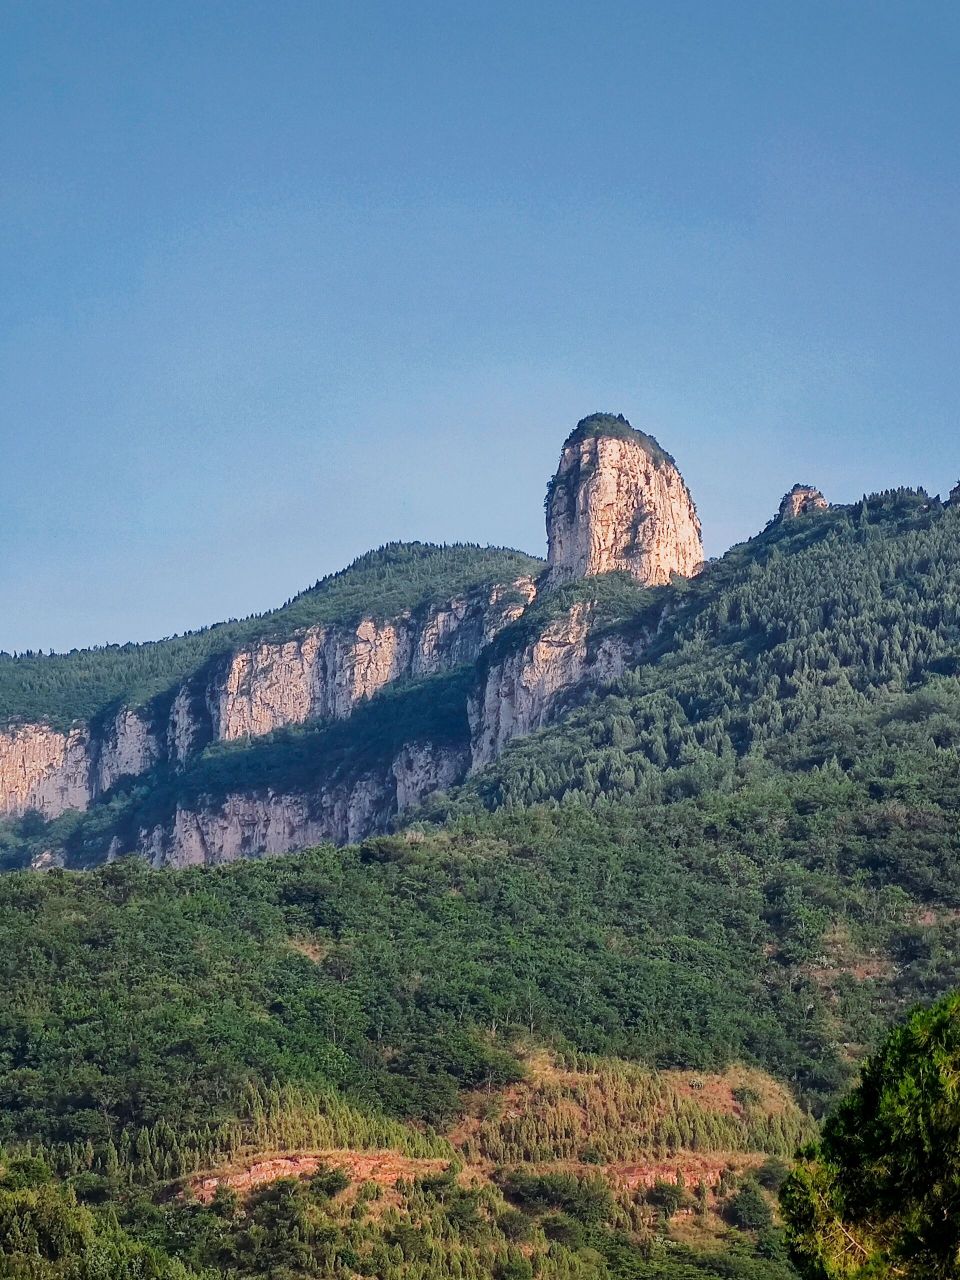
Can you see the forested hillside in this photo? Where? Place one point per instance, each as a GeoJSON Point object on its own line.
{"type": "Point", "coordinates": [815, 621]}
{"type": "Point", "coordinates": [779, 655]}
{"type": "Point", "coordinates": [556, 1000]}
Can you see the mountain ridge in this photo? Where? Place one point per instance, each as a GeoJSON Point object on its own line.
{"type": "Point", "coordinates": [279, 743]}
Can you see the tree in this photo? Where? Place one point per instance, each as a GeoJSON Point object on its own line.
{"type": "Point", "coordinates": [748, 1208]}
{"type": "Point", "coordinates": [880, 1194]}
{"type": "Point", "coordinates": [666, 1196]}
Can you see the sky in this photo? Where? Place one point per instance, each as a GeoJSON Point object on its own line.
{"type": "Point", "coordinates": [282, 281]}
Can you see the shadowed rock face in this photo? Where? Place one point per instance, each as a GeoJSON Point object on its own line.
{"type": "Point", "coordinates": [954, 499]}
{"type": "Point", "coordinates": [322, 673]}
{"type": "Point", "coordinates": [618, 502]}
{"type": "Point", "coordinates": [800, 501]}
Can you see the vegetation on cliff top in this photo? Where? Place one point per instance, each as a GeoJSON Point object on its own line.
{"type": "Point", "coordinates": [812, 622]}
{"type": "Point", "coordinates": [617, 427]}
{"type": "Point", "coordinates": [597, 426]}
{"type": "Point", "coordinates": [60, 689]}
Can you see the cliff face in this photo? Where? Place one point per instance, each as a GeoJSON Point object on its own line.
{"type": "Point", "coordinates": [801, 500]}
{"type": "Point", "coordinates": [618, 502]}
{"type": "Point", "coordinates": [128, 747]}
{"type": "Point", "coordinates": [256, 825]}
{"type": "Point", "coordinates": [527, 689]}
{"type": "Point", "coordinates": [327, 671]}
{"type": "Point", "coordinates": [43, 769]}
{"type": "Point", "coordinates": [322, 673]}
{"type": "Point", "coordinates": [523, 691]}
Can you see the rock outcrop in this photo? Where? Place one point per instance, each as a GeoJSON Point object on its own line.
{"type": "Point", "coordinates": [44, 769]}
{"type": "Point", "coordinates": [128, 747]}
{"type": "Point", "coordinates": [618, 501]}
{"type": "Point", "coordinates": [322, 673]}
{"type": "Point", "coordinates": [954, 499]}
{"type": "Point", "coordinates": [327, 671]}
{"type": "Point", "coordinates": [522, 691]}
{"type": "Point", "coordinates": [527, 689]}
{"type": "Point", "coordinates": [253, 825]}
{"type": "Point", "coordinates": [800, 501]}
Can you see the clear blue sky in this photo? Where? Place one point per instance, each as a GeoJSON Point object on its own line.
{"type": "Point", "coordinates": [281, 281]}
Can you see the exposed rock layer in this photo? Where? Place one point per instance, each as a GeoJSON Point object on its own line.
{"type": "Point", "coordinates": [526, 689]}
{"type": "Point", "coordinates": [256, 825]}
{"type": "Point", "coordinates": [322, 673]}
{"type": "Point", "coordinates": [617, 502]}
{"type": "Point", "coordinates": [800, 501]}
{"type": "Point", "coordinates": [43, 769]}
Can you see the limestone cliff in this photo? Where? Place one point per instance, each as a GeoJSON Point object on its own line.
{"type": "Point", "coordinates": [618, 501]}
{"type": "Point", "coordinates": [127, 747]}
{"type": "Point", "coordinates": [322, 673]}
{"type": "Point", "coordinates": [44, 769]}
{"type": "Point", "coordinates": [262, 824]}
{"type": "Point", "coordinates": [800, 501]}
{"type": "Point", "coordinates": [522, 689]}
{"type": "Point", "coordinates": [527, 688]}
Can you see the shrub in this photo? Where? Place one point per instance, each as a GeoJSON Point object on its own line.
{"type": "Point", "coordinates": [514, 1225]}
{"type": "Point", "coordinates": [668, 1197]}
{"type": "Point", "coordinates": [749, 1209]}
{"type": "Point", "coordinates": [772, 1173]}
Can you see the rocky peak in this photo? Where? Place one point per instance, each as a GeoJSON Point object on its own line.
{"type": "Point", "coordinates": [802, 499]}
{"type": "Point", "coordinates": [954, 499]}
{"type": "Point", "coordinates": [618, 501]}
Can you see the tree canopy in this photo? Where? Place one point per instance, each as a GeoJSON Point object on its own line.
{"type": "Point", "coordinates": [880, 1194]}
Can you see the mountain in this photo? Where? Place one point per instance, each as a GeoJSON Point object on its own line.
{"type": "Point", "coordinates": [618, 873]}
{"type": "Point", "coordinates": [78, 723]}
{"type": "Point", "coordinates": [416, 620]}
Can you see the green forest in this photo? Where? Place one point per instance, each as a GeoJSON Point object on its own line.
{"type": "Point", "coordinates": [592, 1001]}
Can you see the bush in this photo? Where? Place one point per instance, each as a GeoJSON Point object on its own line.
{"type": "Point", "coordinates": [749, 1209]}
{"type": "Point", "coordinates": [328, 1182]}
{"type": "Point", "coordinates": [668, 1197]}
{"type": "Point", "coordinates": [587, 1199]}
{"type": "Point", "coordinates": [746, 1095]}
{"type": "Point", "coordinates": [24, 1172]}
{"type": "Point", "coordinates": [514, 1225]}
{"type": "Point", "coordinates": [564, 1230]}
{"type": "Point", "coordinates": [514, 1267]}
{"type": "Point", "coordinates": [772, 1173]}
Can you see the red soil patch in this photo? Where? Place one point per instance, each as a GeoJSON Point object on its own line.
{"type": "Point", "coordinates": [712, 1093]}
{"type": "Point", "coordinates": [382, 1167]}
{"type": "Point", "coordinates": [693, 1168]}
